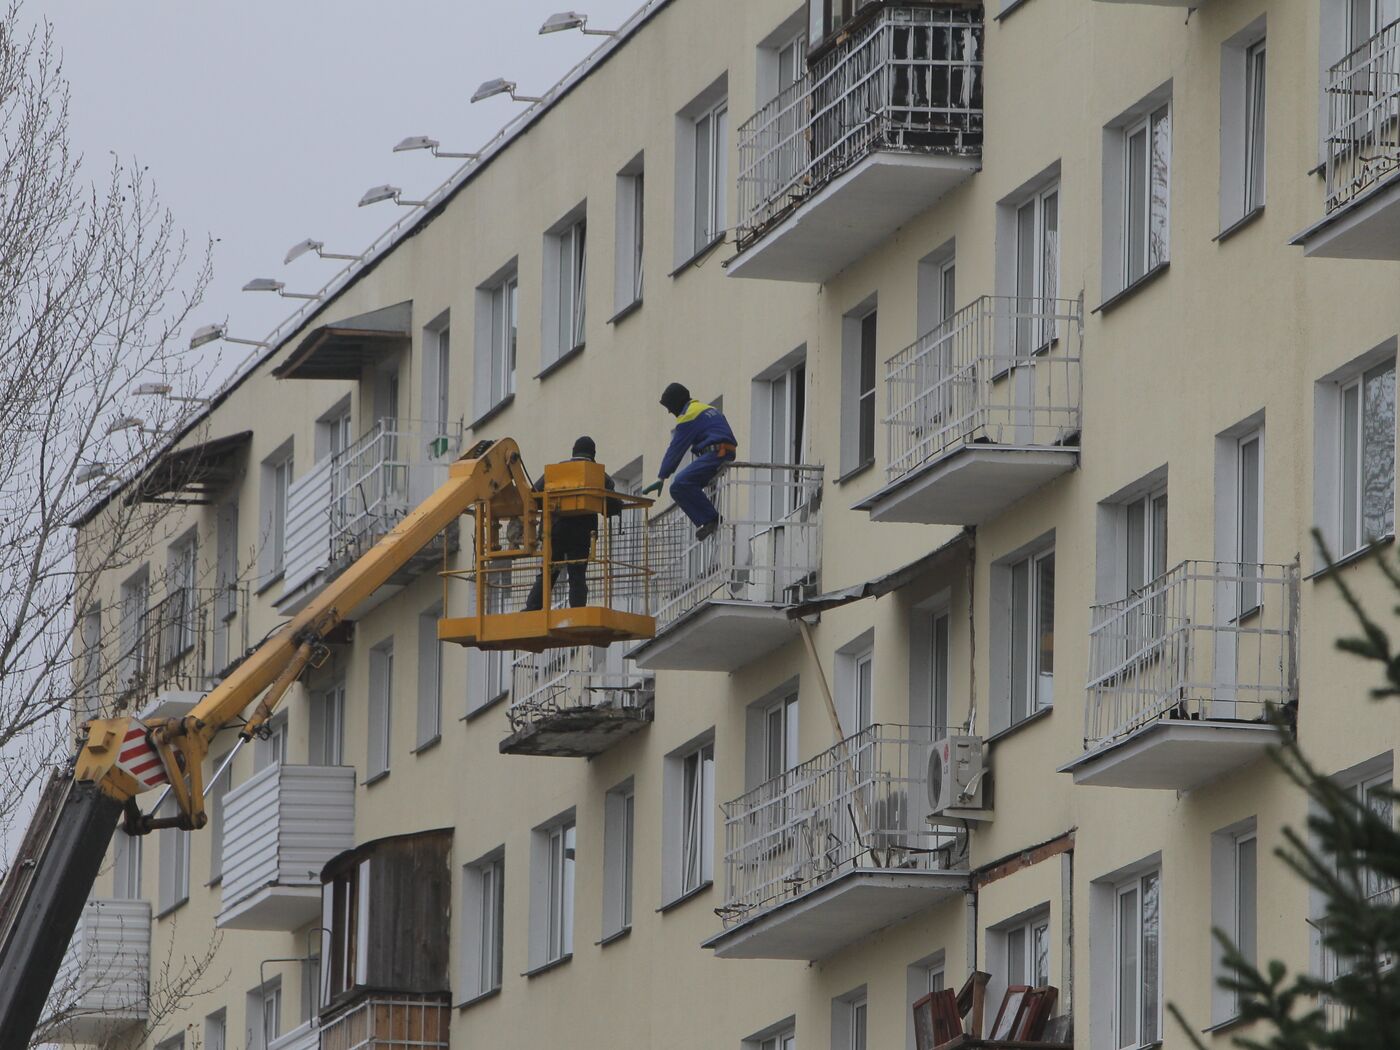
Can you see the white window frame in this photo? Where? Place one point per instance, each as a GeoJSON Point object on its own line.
{"type": "Point", "coordinates": [1027, 934]}
{"type": "Point", "coordinates": [271, 751]}
{"type": "Point", "coordinates": [1141, 1018]}
{"type": "Point", "coordinates": [430, 680]}
{"type": "Point", "coordinates": [1351, 476]}
{"type": "Point", "coordinates": [174, 866]}
{"type": "Point", "coordinates": [697, 818]}
{"type": "Point", "coordinates": [781, 1036]}
{"type": "Point", "coordinates": [863, 689]}
{"type": "Point", "coordinates": [442, 376]}
{"type": "Point", "coordinates": [183, 580]}
{"type": "Point", "coordinates": [779, 741]}
{"type": "Point", "coordinates": [483, 919]}
{"type": "Point", "coordinates": [134, 631]}
{"type": "Point", "coordinates": [1249, 518]}
{"type": "Point", "coordinates": [220, 784]}
{"type": "Point", "coordinates": [630, 245]}
{"type": "Point", "coordinates": [90, 668]}
{"type": "Point", "coordinates": [328, 726]}
{"type": "Point", "coordinates": [1142, 262]}
{"type": "Point", "coordinates": [619, 858]}
{"type": "Point", "coordinates": [1038, 686]}
{"type": "Point", "coordinates": [711, 173]}
{"type": "Point", "coordinates": [553, 885]}
{"type": "Point", "coordinates": [1035, 265]}
{"type": "Point", "coordinates": [1255, 124]}
{"type": "Point", "coordinates": [381, 706]}
{"type": "Point", "coordinates": [281, 498]}
{"type": "Point", "coordinates": [216, 1030]}
{"type": "Point", "coordinates": [126, 866]}
{"type": "Point", "coordinates": [566, 286]}
{"type": "Point", "coordinates": [1148, 549]}
{"type": "Point", "coordinates": [1234, 907]}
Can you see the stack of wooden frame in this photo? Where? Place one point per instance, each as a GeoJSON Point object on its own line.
{"type": "Point", "coordinates": [1022, 1019]}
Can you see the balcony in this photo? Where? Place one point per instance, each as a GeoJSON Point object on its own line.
{"type": "Point", "coordinates": [835, 849]}
{"type": "Point", "coordinates": [983, 411]}
{"type": "Point", "coordinates": [879, 128]}
{"type": "Point", "coordinates": [390, 1022]}
{"type": "Point", "coordinates": [180, 647]}
{"type": "Point", "coordinates": [1362, 219]}
{"type": "Point", "coordinates": [102, 988]}
{"type": "Point", "coordinates": [303, 1037]}
{"type": "Point", "coordinates": [1185, 673]}
{"type": "Point", "coordinates": [280, 828]}
{"type": "Point", "coordinates": [722, 601]}
{"type": "Point", "coordinates": [349, 501]}
{"type": "Point", "coordinates": [576, 702]}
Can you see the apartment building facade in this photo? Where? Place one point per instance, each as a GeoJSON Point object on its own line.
{"type": "Point", "coordinates": [1049, 332]}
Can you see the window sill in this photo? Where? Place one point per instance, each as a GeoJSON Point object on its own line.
{"type": "Point", "coordinates": [276, 579]}
{"type": "Point", "coordinates": [553, 965]}
{"type": "Point", "coordinates": [1002, 734]}
{"type": "Point", "coordinates": [614, 937]}
{"type": "Point", "coordinates": [492, 412]}
{"type": "Point", "coordinates": [686, 896]}
{"type": "Point", "coordinates": [1127, 293]}
{"type": "Point", "coordinates": [427, 745]}
{"type": "Point", "coordinates": [479, 998]}
{"type": "Point", "coordinates": [172, 909]}
{"type": "Point", "coordinates": [1010, 9]}
{"type": "Point", "coordinates": [382, 775]}
{"type": "Point", "coordinates": [1351, 559]}
{"type": "Point", "coordinates": [1226, 1026]}
{"type": "Point", "coordinates": [560, 361]}
{"type": "Point", "coordinates": [1234, 227]}
{"type": "Point", "coordinates": [700, 254]}
{"type": "Point", "coordinates": [217, 880]}
{"type": "Point", "coordinates": [626, 312]}
{"type": "Point", "coordinates": [855, 472]}
{"type": "Point", "coordinates": [477, 712]}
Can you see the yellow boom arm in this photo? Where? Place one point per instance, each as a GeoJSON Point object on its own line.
{"type": "Point", "coordinates": [490, 472]}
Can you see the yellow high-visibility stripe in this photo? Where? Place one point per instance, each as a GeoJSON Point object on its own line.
{"type": "Point", "coordinates": [693, 410]}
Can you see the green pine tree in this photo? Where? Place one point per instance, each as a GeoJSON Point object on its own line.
{"type": "Point", "coordinates": [1349, 855]}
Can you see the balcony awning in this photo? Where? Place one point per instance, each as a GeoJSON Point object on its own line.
{"type": "Point", "coordinates": [191, 475]}
{"type": "Point", "coordinates": [948, 554]}
{"type": "Point", "coordinates": [341, 350]}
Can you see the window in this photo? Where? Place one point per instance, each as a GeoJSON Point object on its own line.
{"type": "Point", "coordinates": [863, 698]}
{"type": "Point", "coordinates": [937, 291]}
{"type": "Point", "coordinates": [552, 891]}
{"type": "Point", "coordinates": [134, 632]}
{"type": "Point", "coordinates": [854, 683]}
{"type": "Point", "coordinates": [1028, 952]}
{"type": "Point", "coordinates": [619, 824]}
{"type": "Point", "coordinates": [497, 326]}
{"type": "Point", "coordinates": [1037, 267]}
{"type": "Point", "coordinates": [175, 1042]}
{"type": "Point", "coordinates": [310, 987]}
{"type": "Point", "coordinates": [1249, 517]}
{"type": "Point", "coordinates": [381, 700]}
{"type": "Point", "coordinates": [345, 913]}
{"type": "Point", "coordinates": [1234, 907]}
{"type": "Point", "coordinates": [276, 486]}
{"type": "Point", "coordinates": [334, 431]}
{"type": "Point", "coordinates": [848, 1021]}
{"type": "Point", "coordinates": [328, 727]}
{"type": "Point", "coordinates": [1136, 192]}
{"type": "Point", "coordinates": [711, 172]}
{"type": "Point", "coordinates": [216, 1031]}
{"type": "Point", "coordinates": [936, 715]}
{"type": "Point", "coordinates": [182, 585]}
{"type": "Point", "coordinates": [858, 378]}
{"type": "Point", "coordinates": [443, 361]}
{"type": "Point", "coordinates": [564, 284]}
{"type": "Point", "coordinates": [1137, 961]}
{"type": "Point", "coordinates": [787, 414]}
{"type": "Point", "coordinates": [1254, 127]}
{"type": "Point", "coordinates": [273, 750]}
{"type": "Point", "coordinates": [483, 919]}
{"type": "Point", "coordinates": [89, 683]}
{"type": "Point", "coordinates": [174, 864]}
{"type": "Point", "coordinates": [779, 737]}
{"type": "Point", "coordinates": [688, 827]}
{"type": "Point", "coordinates": [429, 679]}
{"type": "Point", "coordinates": [631, 229]}
{"type": "Point", "coordinates": [1031, 656]}
{"type": "Point", "coordinates": [226, 579]}
{"type": "Point", "coordinates": [921, 977]}
{"type": "Point", "coordinates": [1367, 466]}
{"type": "Point", "coordinates": [783, 1037]}
{"type": "Point", "coordinates": [264, 1014]}
{"type": "Point", "coordinates": [1146, 548]}
{"type": "Point", "coordinates": [220, 784]}
{"type": "Point", "coordinates": [126, 876]}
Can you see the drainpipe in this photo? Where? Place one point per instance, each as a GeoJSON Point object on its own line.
{"type": "Point", "coordinates": [971, 583]}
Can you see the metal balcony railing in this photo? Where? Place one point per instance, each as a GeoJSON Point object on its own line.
{"type": "Point", "coordinates": [1004, 370]}
{"type": "Point", "coordinates": [767, 549]}
{"type": "Point", "coordinates": [376, 481]}
{"type": "Point", "coordinates": [1206, 640]}
{"type": "Point", "coordinates": [1380, 892]}
{"type": "Point", "coordinates": [1363, 117]}
{"type": "Point", "coordinates": [909, 80]}
{"type": "Point", "coordinates": [859, 804]}
{"type": "Point", "coordinates": [186, 641]}
{"type": "Point", "coordinates": [581, 678]}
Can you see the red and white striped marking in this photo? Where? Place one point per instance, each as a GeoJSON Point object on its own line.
{"type": "Point", "coordinates": [139, 759]}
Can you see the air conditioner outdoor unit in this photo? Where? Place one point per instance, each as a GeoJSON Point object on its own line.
{"type": "Point", "coordinates": [955, 775]}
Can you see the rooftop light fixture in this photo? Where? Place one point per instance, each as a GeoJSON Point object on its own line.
{"type": "Point", "coordinates": [375, 194]}
{"type": "Point", "coordinates": [210, 332]}
{"type": "Point", "coordinates": [268, 284]}
{"type": "Point", "coordinates": [126, 423]}
{"type": "Point", "coordinates": [499, 86]}
{"type": "Point", "coordinates": [90, 472]}
{"type": "Point", "coordinates": [572, 20]}
{"type": "Point", "coordinates": [424, 142]}
{"type": "Point", "coordinates": [299, 249]}
{"type": "Point", "coordinates": [166, 391]}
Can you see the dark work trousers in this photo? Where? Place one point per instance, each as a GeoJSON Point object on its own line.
{"type": "Point", "coordinates": [569, 542]}
{"type": "Point", "coordinates": [688, 486]}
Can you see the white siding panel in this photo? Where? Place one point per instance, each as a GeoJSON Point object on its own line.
{"type": "Point", "coordinates": [105, 976]}
{"type": "Point", "coordinates": [308, 549]}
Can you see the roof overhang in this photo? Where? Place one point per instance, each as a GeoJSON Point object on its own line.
{"type": "Point", "coordinates": [939, 559]}
{"type": "Point", "coordinates": [192, 474]}
{"type": "Point", "coordinates": [342, 350]}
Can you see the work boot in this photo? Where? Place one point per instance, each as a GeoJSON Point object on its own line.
{"type": "Point", "coordinates": [707, 530]}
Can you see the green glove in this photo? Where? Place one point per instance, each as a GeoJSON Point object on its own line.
{"type": "Point", "coordinates": [655, 486]}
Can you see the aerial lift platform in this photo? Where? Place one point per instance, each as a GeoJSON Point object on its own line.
{"type": "Point", "coordinates": [121, 758]}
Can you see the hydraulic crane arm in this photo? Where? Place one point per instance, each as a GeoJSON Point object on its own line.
{"type": "Point", "coordinates": [45, 890]}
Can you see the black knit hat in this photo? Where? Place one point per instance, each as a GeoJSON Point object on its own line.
{"type": "Point", "coordinates": [674, 398]}
{"type": "Point", "coordinates": [585, 448]}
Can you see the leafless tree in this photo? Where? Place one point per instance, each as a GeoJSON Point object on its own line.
{"type": "Point", "coordinates": [96, 281]}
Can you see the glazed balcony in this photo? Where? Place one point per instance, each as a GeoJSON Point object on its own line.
{"type": "Point", "coordinates": [880, 126]}
{"type": "Point", "coordinates": [722, 602]}
{"type": "Point", "coordinates": [1185, 674]}
{"type": "Point", "coordinates": [576, 702]}
{"type": "Point", "coordinates": [102, 989]}
{"type": "Point", "coordinates": [834, 849]}
{"type": "Point", "coordinates": [348, 501]}
{"type": "Point", "coordinates": [983, 411]}
{"type": "Point", "coordinates": [280, 828]}
{"type": "Point", "coordinates": [1362, 219]}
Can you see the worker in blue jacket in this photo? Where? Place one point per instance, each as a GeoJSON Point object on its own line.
{"type": "Point", "coordinates": [703, 430]}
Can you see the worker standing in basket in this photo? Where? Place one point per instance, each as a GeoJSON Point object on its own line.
{"type": "Point", "coordinates": [703, 430]}
{"type": "Point", "coordinates": [570, 537]}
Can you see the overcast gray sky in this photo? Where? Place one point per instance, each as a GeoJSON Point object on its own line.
{"type": "Point", "coordinates": [263, 121]}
